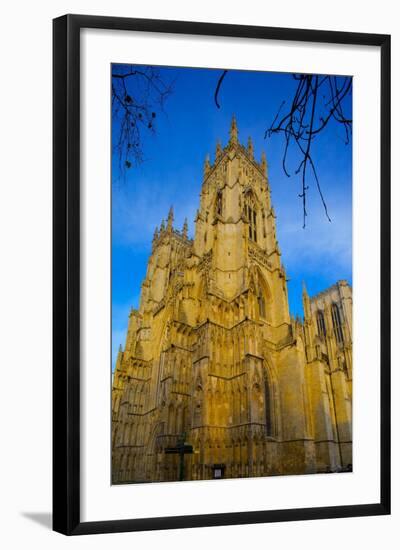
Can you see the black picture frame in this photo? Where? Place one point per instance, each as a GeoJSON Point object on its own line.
{"type": "Point", "coordinates": [66, 273]}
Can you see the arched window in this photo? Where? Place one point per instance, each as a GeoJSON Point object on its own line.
{"type": "Point", "coordinates": [251, 215]}
{"type": "Point", "coordinates": [337, 323]}
{"type": "Point", "coordinates": [218, 205]}
{"type": "Point", "coordinates": [261, 304]}
{"type": "Point", "coordinates": [321, 325]}
{"type": "Point", "coordinates": [253, 225]}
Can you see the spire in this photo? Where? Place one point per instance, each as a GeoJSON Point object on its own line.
{"type": "Point", "coordinates": [170, 218]}
{"type": "Point", "coordinates": [207, 166]}
{"type": "Point", "coordinates": [233, 132]}
{"type": "Point", "coordinates": [162, 226]}
{"type": "Point", "coordinates": [218, 150]}
{"type": "Point", "coordinates": [185, 229]}
{"type": "Point", "coordinates": [250, 148]}
{"type": "Point", "coordinates": [264, 164]}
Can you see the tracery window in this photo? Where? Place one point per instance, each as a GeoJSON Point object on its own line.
{"type": "Point", "coordinates": [251, 215]}
{"type": "Point", "coordinates": [321, 325]}
{"type": "Point", "coordinates": [261, 304]}
{"type": "Point", "coordinates": [337, 324]}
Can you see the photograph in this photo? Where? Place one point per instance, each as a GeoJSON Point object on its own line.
{"type": "Point", "coordinates": [231, 273]}
{"type": "Point", "coordinates": [198, 229]}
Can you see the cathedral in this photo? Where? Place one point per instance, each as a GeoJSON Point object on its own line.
{"type": "Point", "coordinates": [216, 379]}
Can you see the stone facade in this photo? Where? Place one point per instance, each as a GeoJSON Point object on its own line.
{"type": "Point", "coordinates": [213, 356]}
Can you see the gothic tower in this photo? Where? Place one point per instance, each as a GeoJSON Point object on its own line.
{"type": "Point", "coordinates": [213, 357]}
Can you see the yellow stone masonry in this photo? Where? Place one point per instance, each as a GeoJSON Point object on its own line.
{"type": "Point", "coordinates": [212, 357]}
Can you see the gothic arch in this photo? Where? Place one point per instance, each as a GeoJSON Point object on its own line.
{"type": "Point", "coordinates": [263, 294]}
{"type": "Point", "coordinates": [219, 202]}
{"type": "Point", "coordinates": [263, 284]}
{"type": "Point", "coordinates": [271, 398]}
{"type": "Point", "coordinates": [164, 340]}
{"type": "Point", "coordinates": [249, 195]}
{"type": "Point", "coordinates": [154, 446]}
{"type": "Point", "coordinates": [251, 211]}
{"type": "Point", "coordinates": [337, 323]}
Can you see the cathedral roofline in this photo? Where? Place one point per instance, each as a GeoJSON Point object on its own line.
{"type": "Point", "coordinates": [326, 291]}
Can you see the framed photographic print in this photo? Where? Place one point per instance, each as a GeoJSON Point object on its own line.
{"type": "Point", "coordinates": [221, 274]}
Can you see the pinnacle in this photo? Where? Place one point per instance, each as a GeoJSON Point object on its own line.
{"type": "Point", "coordinates": [250, 147]}
{"type": "Point", "coordinates": [185, 228]}
{"type": "Point", "coordinates": [233, 132]}
{"type": "Point", "coordinates": [264, 165]}
{"type": "Point", "coordinates": [170, 217]}
{"type": "Point", "coordinates": [218, 149]}
{"type": "Point", "coordinates": [207, 165]}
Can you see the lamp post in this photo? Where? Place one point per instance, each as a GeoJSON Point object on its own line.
{"type": "Point", "coordinates": [181, 449]}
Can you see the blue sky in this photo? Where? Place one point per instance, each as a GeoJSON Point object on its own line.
{"type": "Point", "coordinates": [171, 174]}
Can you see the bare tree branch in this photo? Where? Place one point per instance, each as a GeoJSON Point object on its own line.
{"type": "Point", "coordinates": [220, 80]}
{"type": "Point", "coordinates": [137, 96]}
{"type": "Point", "coordinates": [308, 116]}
